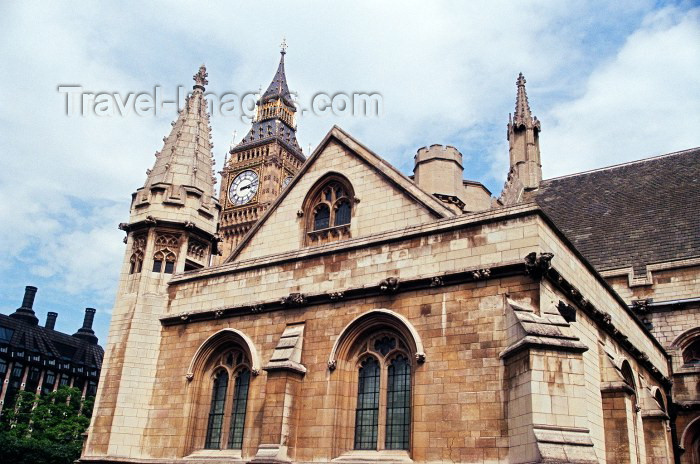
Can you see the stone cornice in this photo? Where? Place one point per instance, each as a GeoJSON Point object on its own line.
{"type": "Point", "coordinates": [390, 285]}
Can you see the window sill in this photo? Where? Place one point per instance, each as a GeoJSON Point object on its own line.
{"type": "Point", "coordinates": [329, 234]}
{"type": "Point", "coordinates": [210, 456]}
{"type": "Point", "coordinates": [364, 456]}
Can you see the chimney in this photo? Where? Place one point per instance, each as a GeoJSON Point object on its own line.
{"type": "Point", "coordinates": [51, 320]}
{"type": "Point", "coordinates": [85, 332]}
{"type": "Point", "coordinates": [25, 312]}
{"type": "Point", "coordinates": [29, 295]}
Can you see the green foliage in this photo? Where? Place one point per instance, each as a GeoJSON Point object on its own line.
{"type": "Point", "coordinates": [45, 429]}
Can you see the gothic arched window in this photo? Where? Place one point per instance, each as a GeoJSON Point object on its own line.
{"type": "Point", "coordinates": [328, 207]}
{"type": "Point", "coordinates": [136, 260]}
{"type": "Point", "coordinates": [691, 353]}
{"type": "Point", "coordinates": [228, 401]}
{"type": "Point", "coordinates": [166, 245]}
{"type": "Point", "coordinates": [383, 408]}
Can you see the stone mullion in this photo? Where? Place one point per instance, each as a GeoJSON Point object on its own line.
{"type": "Point", "coordinates": [381, 432]}
{"type": "Point", "coordinates": [228, 408]}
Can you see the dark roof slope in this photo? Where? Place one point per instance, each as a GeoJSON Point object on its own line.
{"type": "Point", "coordinates": [50, 343]}
{"type": "Point", "coordinates": [632, 214]}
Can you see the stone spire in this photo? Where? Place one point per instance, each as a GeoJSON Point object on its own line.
{"type": "Point", "coordinates": [523, 116]}
{"type": "Point", "coordinates": [523, 138]}
{"type": "Point", "coordinates": [183, 169]}
{"type": "Point", "coordinates": [275, 116]}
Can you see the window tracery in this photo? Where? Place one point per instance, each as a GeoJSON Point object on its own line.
{"type": "Point", "coordinates": [691, 353]}
{"type": "Point", "coordinates": [138, 248]}
{"type": "Point", "coordinates": [328, 208]}
{"type": "Point", "coordinates": [164, 258]}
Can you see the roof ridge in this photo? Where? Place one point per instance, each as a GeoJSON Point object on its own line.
{"type": "Point", "coordinates": [628, 163]}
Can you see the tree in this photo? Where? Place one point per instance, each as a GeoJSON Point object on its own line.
{"type": "Point", "coordinates": [45, 429]}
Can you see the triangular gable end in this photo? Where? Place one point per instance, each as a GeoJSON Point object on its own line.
{"type": "Point", "coordinates": [388, 200]}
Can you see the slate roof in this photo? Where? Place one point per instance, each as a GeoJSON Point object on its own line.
{"type": "Point", "coordinates": [275, 128]}
{"type": "Point", "coordinates": [632, 214]}
{"type": "Point", "coordinates": [50, 344]}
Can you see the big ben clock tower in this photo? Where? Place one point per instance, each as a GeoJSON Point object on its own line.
{"type": "Point", "coordinates": [261, 165]}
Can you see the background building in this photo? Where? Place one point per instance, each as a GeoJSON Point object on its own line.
{"type": "Point", "coordinates": [366, 316]}
{"type": "Point", "coordinates": [40, 359]}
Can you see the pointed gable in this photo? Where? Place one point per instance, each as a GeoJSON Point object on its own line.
{"type": "Point", "coordinates": [384, 199]}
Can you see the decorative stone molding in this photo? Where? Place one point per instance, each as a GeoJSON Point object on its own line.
{"type": "Point", "coordinates": [642, 305]}
{"type": "Point", "coordinates": [221, 338]}
{"type": "Point", "coordinates": [293, 299]}
{"type": "Point", "coordinates": [150, 220]}
{"type": "Point", "coordinates": [436, 282]}
{"type": "Point", "coordinates": [389, 285]}
{"type": "Point", "coordinates": [218, 313]}
{"type": "Point", "coordinates": [365, 322]}
{"type": "Point", "coordinates": [255, 309]}
{"type": "Point", "coordinates": [335, 296]}
{"type": "Point", "coordinates": [568, 312]}
{"type": "Point", "coordinates": [537, 266]}
{"type": "Point", "coordinates": [481, 274]}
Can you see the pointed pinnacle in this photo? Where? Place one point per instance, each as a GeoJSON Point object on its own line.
{"type": "Point", "coordinates": [522, 112]}
{"type": "Point", "coordinates": [200, 78]}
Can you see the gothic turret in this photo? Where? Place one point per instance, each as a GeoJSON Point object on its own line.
{"type": "Point", "coordinates": [171, 229]}
{"type": "Point", "coordinates": [523, 139]}
{"type": "Point", "coordinates": [261, 164]}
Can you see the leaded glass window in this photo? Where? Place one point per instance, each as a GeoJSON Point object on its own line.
{"type": "Point", "coordinates": [216, 411]}
{"type": "Point", "coordinates": [383, 410]}
{"type": "Point", "coordinates": [691, 355]}
{"type": "Point", "coordinates": [398, 404]}
{"type": "Point", "coordinates": [49, 382]}
{"type": "Point", "coordinates": [367, 412]}
{"type": "Point", "coordinates": [32, 379]}
{"type": "Point", "coordinates": [322, 217]}
{"type": "Point", "coordinates": [328, 207]}
{"type": "Point", "coordinates": [342, 214]}
{"type": "Point", "coordinates": [240, 400]}
{"type": "Point", "coordinates": [6, 334]}
{"type": "Point", "coordinates": [232, 381]}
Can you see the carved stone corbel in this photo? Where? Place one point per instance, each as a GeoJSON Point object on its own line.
{"type": "Point", "coordinates": [537, 266]}
{"type": "Point", "coordinates": [389, 285]}
{"type": "Point", "coordinates": [293, 299]}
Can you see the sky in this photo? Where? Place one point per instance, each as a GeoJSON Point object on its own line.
{"type": "Point", "coordinates": [610, 82]}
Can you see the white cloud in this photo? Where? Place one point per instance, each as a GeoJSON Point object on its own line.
{"type": "Point", "coordinates": [642, 102]}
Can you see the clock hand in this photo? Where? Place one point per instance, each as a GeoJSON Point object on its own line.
{"type": "Point", "coordinates": [245, 188]}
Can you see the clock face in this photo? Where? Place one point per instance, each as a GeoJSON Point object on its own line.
{"type": "Point", "coordinates": [286, 181]}
{"type": "Point", "coordinates": [243, 188]}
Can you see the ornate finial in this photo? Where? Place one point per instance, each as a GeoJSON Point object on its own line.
{"type": "Point", "coordinates": [283, 46]}
{"type": "Point", "coordinates": [521, 80]}
{"type": "Point", "coordinates": [200, 78]}
{"type": "Point", "coordinates": [233, 140]}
